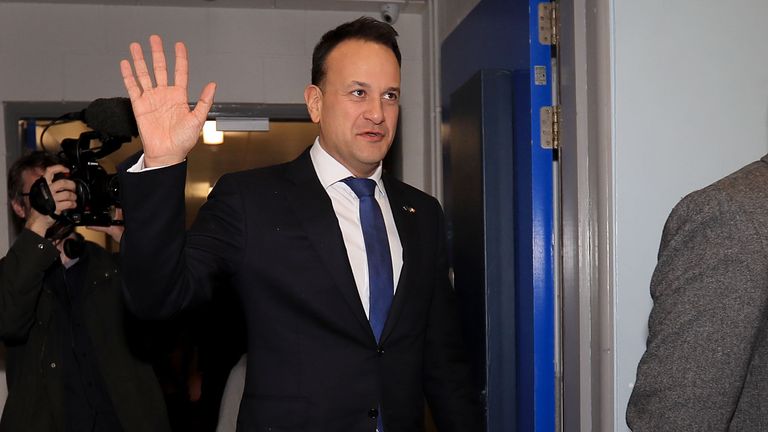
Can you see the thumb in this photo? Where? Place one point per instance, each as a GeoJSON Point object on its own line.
{"type": "Point", "coordinates": [205, 102]}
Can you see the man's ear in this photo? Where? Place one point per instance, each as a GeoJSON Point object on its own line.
{"type": "Point", "coordinates": [313, 97]}
{"type": "Point", "coordinates": [19, 209]}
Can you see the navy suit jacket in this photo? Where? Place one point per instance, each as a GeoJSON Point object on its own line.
{"type": "Point", "coordinates": [313, 361]}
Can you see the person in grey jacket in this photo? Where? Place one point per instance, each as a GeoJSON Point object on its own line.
{"type": "Point", "coordinates": [71, 362]}
{"type": "Point", "coordinates": [705, 367]}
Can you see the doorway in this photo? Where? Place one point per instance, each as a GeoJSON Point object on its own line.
{"type": "Point", "coordinates": [289, 132]}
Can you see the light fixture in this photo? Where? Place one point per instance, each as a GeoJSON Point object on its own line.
{"type": "Point", "coordinates": [212, 136]}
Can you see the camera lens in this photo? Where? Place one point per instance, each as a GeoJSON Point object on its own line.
{"type": "Point", "coordinates": [113, 188]}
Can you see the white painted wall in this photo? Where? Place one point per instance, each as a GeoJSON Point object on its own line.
{"type": "Point", "coordinates": [690, 106]}
{"type": "Point", "coordinates": [71, 53]}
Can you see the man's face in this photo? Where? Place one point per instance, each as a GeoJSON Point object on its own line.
{"type": "Point", "coordinates": [356, 105]}
{"type": "Point", "coordinates": [28, 177]}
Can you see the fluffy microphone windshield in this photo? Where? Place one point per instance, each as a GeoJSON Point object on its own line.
{"type": "Point", "coordinates": [112, 117]}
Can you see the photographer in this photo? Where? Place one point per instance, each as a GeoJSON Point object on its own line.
{"type": "Point", "coordinates": [69, 364]}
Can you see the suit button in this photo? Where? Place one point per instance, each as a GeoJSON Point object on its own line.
{"type": "Point", "coordinates": [53, 365]}
{"type": "Point", "coordinates": [379, 351]}
{"type": "Point", "coordinates": [373, 413]}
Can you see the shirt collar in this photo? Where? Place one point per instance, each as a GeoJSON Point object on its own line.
{"type": "Point", "coordinates": [330, 171]}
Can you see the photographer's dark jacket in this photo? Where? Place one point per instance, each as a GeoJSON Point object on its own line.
{"type": "Point", "coordinates": [30, 309]}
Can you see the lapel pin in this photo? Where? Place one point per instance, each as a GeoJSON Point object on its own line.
{"type": "Point", "coordinates": [409, 209]}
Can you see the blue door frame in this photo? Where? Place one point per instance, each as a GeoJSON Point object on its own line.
{"type": "Point", "coordinates": [503, 34]}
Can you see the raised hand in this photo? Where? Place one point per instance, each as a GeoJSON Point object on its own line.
{"type": "Point", "coordinates": [168, 128]}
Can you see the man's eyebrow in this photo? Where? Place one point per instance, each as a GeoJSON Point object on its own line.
{"type": "Point", "coordinates": [363, 84]}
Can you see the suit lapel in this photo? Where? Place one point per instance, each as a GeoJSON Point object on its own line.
{"type": "Point", "coordinates": [311, 204]}
{"type": "Point", "coordinates": [407, 229]}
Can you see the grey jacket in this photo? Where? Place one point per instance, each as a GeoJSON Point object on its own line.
{"type": "Point", "coordinates": [705, 367]}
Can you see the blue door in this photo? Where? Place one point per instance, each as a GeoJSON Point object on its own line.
{"type": "Point", "coordinates": [496, 77]}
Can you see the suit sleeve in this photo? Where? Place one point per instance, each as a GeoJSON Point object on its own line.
{"type": "Point", "coordinates": [165, 268]}
{"type": "Point", "coordinates": [448, 385]}
{"type": "Point", "coordinates": [22, 272]}
{"type": "Point", "coordinates": [710, 297]}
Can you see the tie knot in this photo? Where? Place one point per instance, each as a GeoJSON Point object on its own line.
{"type": "Point", "coordinates": [361, 186]}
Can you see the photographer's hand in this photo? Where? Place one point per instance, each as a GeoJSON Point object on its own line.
{"type": "Point", "coordinates": [114, 231]}
{"type": "Point", "coordinates": [64, 195]}
{"type": "Point", "coordinates": [168, 128]}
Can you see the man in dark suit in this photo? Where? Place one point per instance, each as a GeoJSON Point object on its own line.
{"type": "Point", "coordinates": [705, 367]}
{"type": "Point", "coordinates": [71, 364]}
{"type": "Point", "coordinates": [341, 269]}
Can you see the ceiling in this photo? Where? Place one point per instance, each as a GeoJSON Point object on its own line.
{"type": "Point", "coordinates": [406, 6]}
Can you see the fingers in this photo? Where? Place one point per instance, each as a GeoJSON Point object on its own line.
{"type": "Point", "coordinates": [114, 231]}
{"type": "Point", "coordinates": [134, 91]}
{"type": "Point", "coordinates": [63, 190]}
{"type": "Point", "coordinates": [158, 61]}
{"type": "Point", "coordinates": [64, 194]}
{"type": "Point", "coordinates": [181, 73]}
{"type": "Point", "coordinates": [65, 200]}
{"type": "Point", "coordinates": [63, 185]}
{"type": "Point", "coordinates": [52, 171]}
{"type": "Point", "coordinates": [205, 102]}
{"type": "Point", "coordinates": [159, 65]}
{"type": "Point", "coordinates": [140, 66]}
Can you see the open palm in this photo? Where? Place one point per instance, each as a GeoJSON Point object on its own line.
{"type": "Point", "coordinates": [168, 128]}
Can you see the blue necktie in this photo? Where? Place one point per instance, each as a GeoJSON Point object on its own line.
{"type": "Point", "coordinates": [380, 279]}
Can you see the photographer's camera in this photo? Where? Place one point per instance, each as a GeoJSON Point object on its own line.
{"type": "Point", "coordinates": [98, 192]}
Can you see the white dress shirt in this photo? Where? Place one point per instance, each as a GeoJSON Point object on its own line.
{"type": "Point", "coordinates": [346, 205]}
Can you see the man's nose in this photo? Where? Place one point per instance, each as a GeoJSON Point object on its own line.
{"type": "Point", "coordinates": [375, 111]}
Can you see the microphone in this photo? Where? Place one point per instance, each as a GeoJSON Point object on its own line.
{"type": "Point", "coordinates": [110, 117]}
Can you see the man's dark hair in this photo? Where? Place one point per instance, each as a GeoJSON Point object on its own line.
{"type": "Point", "coordinates": [365, 29]}
{"type": "Point", "coordinates": [32, 160]}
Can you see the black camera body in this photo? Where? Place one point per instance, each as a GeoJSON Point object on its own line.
{"type": "Point", "coordinates": [98, 192]}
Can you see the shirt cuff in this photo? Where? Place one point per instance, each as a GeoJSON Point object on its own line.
{"type": "Point", "coordinates": [139, 166]}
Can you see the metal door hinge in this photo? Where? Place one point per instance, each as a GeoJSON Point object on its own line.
{"type": "Point", "coordinates": [548, 23]}
{"type": "Point", "coordinates": [550, 127]}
